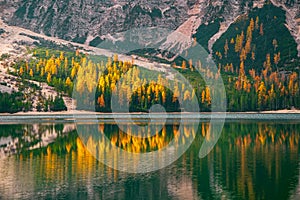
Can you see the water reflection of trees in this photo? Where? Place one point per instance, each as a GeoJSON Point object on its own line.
{"type": "Point", "coordinates": [110, 135]}
{"type": "Point", "coordinates": [22, 138]}
{"type": "Point", "coordinates": [251, 159]}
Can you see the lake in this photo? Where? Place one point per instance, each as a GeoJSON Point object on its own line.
{"type": "Point", "coordinates": [252, 159]}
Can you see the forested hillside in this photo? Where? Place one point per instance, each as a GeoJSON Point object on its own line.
{"type": "Point", "coordinates": [257, 57]}
{"type": "Point", "coordinates": [251, 90]}
{"type": "Point", "coordinates": [255, 37]}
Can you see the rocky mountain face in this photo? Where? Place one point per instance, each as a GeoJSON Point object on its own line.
{"type": "Point", "coordinates": [93, 20]}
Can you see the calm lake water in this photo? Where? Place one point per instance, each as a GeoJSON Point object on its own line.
{"type": "Point", "coordinates": [253, 159]}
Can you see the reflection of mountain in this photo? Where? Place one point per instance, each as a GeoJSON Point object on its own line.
{"type": "Point", "coordinates": [252, 160]}
{"type": "Point", "coordinates": [17, 138]}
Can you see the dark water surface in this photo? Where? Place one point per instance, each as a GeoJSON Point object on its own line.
{"type": "Point", "coordinates": [253, 159]}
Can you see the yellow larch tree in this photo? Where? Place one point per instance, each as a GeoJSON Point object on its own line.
{"type": "Point", "coordinates": [31, 72]}
{"type": "Point", "coordinates": [21, 71]}
{"type": "Point", "coordinates": [61, 56]}
{"type": "Point", "coordinates": [66, 64]}
{"type": "Point", "coordinates": [261, 94]}
{"type": "Point", "coordinates": [49, 77]}
{"type": "Point", "coordinates": [42, 72]}
{"type": "Point", "coordinates": [68, 81]}
{"type": "Point", "coordinates": [207, 95]}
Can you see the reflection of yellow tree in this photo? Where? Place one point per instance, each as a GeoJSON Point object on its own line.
{"type": "Point", "coordinates": [250, 149]}
{"type": "Point", "coordinates": [258, 149]}
{"type": "Point", "coordinates": [136, 144]}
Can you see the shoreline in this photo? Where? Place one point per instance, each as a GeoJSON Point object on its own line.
{"type": "Point", "coordinates": [81, 112]}
{"type": "Point", "coordinates": [84, 116]}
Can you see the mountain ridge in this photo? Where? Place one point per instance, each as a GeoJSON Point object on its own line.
{"type": "Point", "coordinates": [85, 21]}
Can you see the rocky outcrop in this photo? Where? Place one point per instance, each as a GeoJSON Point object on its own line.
{"type": "Point", "coordinates": [83, 21]}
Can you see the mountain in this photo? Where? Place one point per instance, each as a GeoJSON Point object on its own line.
{"type": "Point", "coordinates": [91, 21]}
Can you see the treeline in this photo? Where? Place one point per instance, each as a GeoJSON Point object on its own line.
{"type": "Point", "coordinates": [29, 97]}
{"type": "Point", "coordinates": [253, 90]}
{"type": "Point", "coordinates": [129, 86]}
{"type": "Point", "coordinates": [12, 103]}
{"type": "Point", "coordinates": [50, 66]}
{"type": "Point", "coordinates": [247, 90]}
{"type": "Point", "coordinates": [16, 102]}
{"type": "Point", "coordinates": [51, 104]}
{"type": "Point", "coordinates": [62, 69]}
